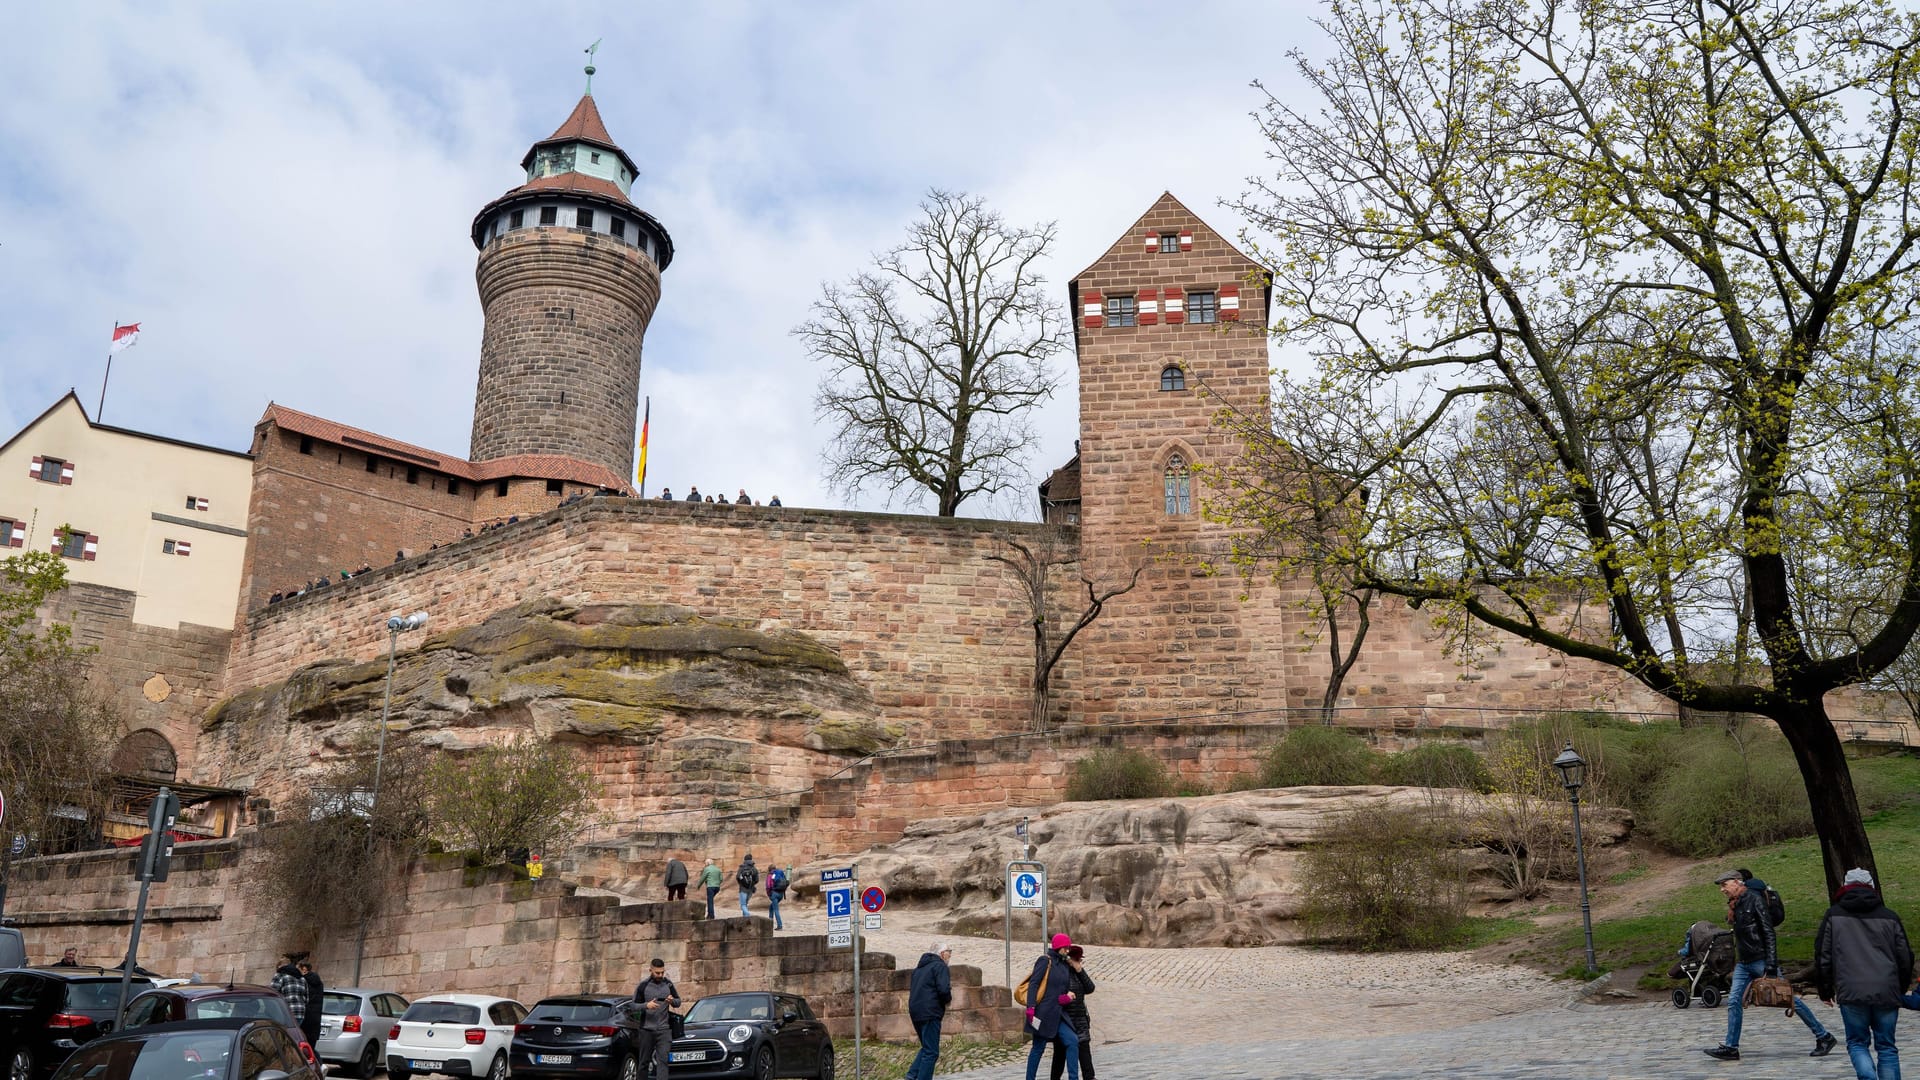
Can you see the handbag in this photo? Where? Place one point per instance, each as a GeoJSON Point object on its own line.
{"type": "Point", "coordinates": [1025, 989]}
{"type": "Point", "coordinates": [1769, 992]}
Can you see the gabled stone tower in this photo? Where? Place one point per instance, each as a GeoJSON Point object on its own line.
{"type": "Point", "coordinates": [1172, 307]}
{"type": "Point", "coordinates": [569, 275]}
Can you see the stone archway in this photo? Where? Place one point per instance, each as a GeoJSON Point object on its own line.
{"type": "Point", "coordinates": [146, 754]}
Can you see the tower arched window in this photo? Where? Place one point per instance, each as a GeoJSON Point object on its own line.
{"type": "Point", "coordinates": [1179, 486]}
{"type": "Point", "coordinates": [1173, 378]}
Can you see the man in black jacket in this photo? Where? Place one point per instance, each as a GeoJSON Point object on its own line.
{"type": "Point", "coordinates": [1861, 959]}
{"type": "Point", "coordinates": [1756, 955]}
{"type": "Point", "coordinates": [927, 1002]}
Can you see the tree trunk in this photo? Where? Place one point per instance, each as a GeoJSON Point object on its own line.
{"type": "Point", "coordinates": [1823, 767]}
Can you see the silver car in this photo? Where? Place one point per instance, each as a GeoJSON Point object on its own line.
{"type": "Point", "coordinates": [353, 1028]}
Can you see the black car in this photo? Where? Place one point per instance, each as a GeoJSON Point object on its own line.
{"type": "Point", "coordinates": [207, 1001]}
{"type": "Point", "coordinates": [586, 1035]}
{"type": "Point", "coordinates": [237, 1048]}
{"type": "Point", "coordinates": [46, 1013]}
{"type": "Point", "coordinates": [755, 1035]}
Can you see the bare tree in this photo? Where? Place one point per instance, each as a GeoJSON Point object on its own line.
{"type": "Point", "coordinates": [1620, 299]}
{"type": "Point", "coordinates": [1034, 566]}
{"type": "Point", "coordinates": [935, 356]}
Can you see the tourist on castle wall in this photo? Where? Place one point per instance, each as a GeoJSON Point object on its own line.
{"type": "Point", "coordinates": [1862, 960]}
{"type": "Point", "coordinates": [710, 879]}
{"type": "Point", "coordinates": [291, 985]}
{"type": "Point", "coordinates": [666, 493]}
{"type": "Point", "coordinates": [748, 879]}
{"type": "Point", "coordinates": [656, 995]}
{"type": "Point", "coordinates": [1755, 955]}
{"type": "Point", "coordinates": [776, 892]}
{"type": "Point", "coordinates": [316, 997]}
{"type": "Point", "coordinates": [743, 500]}
{"type": "Point", "coordinates": [927, 999]}
{"type": "Point", "coordinates": [775, 501]}
{"type": "Point", "coordinates": [676, 879]}
{"type": "Point", "coordinates": [693, 493]}
{"type": "Point", "coordinates": [1081, 984]}
{"type": "Point", "coordinates": [1049, 992]}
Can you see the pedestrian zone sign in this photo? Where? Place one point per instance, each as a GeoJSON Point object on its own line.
{"type": "Point", "coordinates": [1027, 889]}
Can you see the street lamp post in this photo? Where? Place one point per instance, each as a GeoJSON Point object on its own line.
{"type": "Point", "coordinates": [395, 626]}
{"type": "Point", "coordinates": [1573, 774]}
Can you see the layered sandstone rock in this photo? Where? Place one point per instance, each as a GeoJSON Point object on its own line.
{"type": "Point", "coordinates": [1219, 870]}
{"type": "Point", "coordinates": [656, 695]}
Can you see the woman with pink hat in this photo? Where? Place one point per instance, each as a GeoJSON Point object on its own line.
{"type": "Point", "coordinates": [1049, 991]}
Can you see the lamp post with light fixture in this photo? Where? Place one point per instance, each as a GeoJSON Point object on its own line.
{"type": "Point", "coordinates": [395, 627]}
{"type": "Point", "coordinates": [1573, 774]}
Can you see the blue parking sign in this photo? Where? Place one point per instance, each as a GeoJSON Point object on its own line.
{"type": "Point", "coordinates": [839, 902]}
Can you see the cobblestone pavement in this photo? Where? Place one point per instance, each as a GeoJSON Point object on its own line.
{"type": "Point", "coordinates": [1253, 1014]}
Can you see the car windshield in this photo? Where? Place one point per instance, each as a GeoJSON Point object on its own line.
{"type": "Point", "coordinates": [100, 995]}
{"type": "Point", "coordinates": [175, 1056]}
{"type": "Point", "coordinates": [222, 1008]}
{"type": "Point", "coordinates": [560, 1011]}
{"type": "Point", "coordinates": [339, 1005]}
{"type": "Point", "coordinates": [732, 1007]}
{"type": "Point", "coordinates": [442, 1012]}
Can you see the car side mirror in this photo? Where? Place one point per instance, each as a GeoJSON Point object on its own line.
{"type": "Point", "coordinates": [789, 1016]}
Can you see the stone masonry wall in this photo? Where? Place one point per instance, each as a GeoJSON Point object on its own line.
{"type": "Point", "coordinates": [455, 929]}
{"type": "Point", "coordinates": [566, 312]}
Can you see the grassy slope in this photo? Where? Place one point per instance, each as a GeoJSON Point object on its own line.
{"type": "Point", "coordinates": [1651, 935]}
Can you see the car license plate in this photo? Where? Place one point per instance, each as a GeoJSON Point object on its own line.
{"type": "Point", "coordinates": [425, 1066]}
{"type": "Point", "coordinates": [553, 1059]}
{"type": "Point", "coordinates": [686, 1055]}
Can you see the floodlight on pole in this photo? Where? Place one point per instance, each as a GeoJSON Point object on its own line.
{"type": "Point", "coordinates": [396, 626]}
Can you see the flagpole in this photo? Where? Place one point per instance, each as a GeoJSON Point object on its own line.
{"type": "Point", "coordinates": [99, 412]}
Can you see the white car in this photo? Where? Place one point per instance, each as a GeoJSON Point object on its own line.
{"type": "Point", "coordinates": [453, 1035]}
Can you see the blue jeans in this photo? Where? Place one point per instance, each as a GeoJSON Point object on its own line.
{"type": "Point", "coordinates": [712, 891]}
{"type": "Point", "coordinates": [1744, 973]}
{"type": "Point", "coordinates": [1069, 1045]}
{"type": "Point", "coordinates": [1872, 1025]}
{"type": "Point", "coordinates": [923, 1062]}
{"type": "Point", "coordinates": [744, 897]}
{"type": "Point", "coordinates": [773, 909]}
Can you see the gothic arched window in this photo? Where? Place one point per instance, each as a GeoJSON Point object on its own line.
{"type": "Point", "coordinates": [1179, 486]}
{"type": "Point", "coordinates": [1172, 378]}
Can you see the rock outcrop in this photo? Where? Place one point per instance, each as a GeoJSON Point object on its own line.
{"type": "Point", "coordinates": [1219, 870]}
{"type": "Point", "coordinates": [716, 700]}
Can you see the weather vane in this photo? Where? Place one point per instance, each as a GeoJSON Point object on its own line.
{"type": "Point", "coordinates": [590, 50]}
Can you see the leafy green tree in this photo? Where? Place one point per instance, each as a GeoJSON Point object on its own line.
{"type": "Point", "coordinates": [1613, 305]}
{"type": "Point", "coordinates": [528, 794]}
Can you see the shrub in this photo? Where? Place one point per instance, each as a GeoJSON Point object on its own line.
{"type": "Point", "coordinates": [1313, 756]}
{"type": "Point", "coordinates": [1720, 794]}
{"type": "Point", "coordinates": [528, 795]}
{"type": "Point", "coordinates": [1114, 773]}
{"type": "Point", "coordinates": [1385, 878]}
{"type": "Point", "coordinates": [1436, 765]}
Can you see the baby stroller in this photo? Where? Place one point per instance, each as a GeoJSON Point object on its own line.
{"type": "Point", "coordinates": [1706, 964]}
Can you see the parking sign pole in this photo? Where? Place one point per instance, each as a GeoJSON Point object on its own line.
{"type": "Point", "coordinates": [854, 923]}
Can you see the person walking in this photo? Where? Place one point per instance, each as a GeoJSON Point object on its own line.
{"type": "Point", "coordinates": [1081, 984]}
{"type": "Point", "coordinates": [1862, 960]}
{"type": "Point", "coordinates": [776, 892]}
{"type": "Point", "coordinates": [748, 879]}
{"type": "Point", "coordinates": [1755, 955]}
{"type": "Point", "coordinates": [657, 996]}
{"type": "Point", "coordinates": [316, 1001]}
{"type": "Point", "coordinates": [1048, 994]}
{"type": "Point", "coordinates": [710, 879]}
{"type": "Point", "coordinates": [931, 991]}
{"type": "Point", "coordinates": [676, 879]}
{"type": "Point", "coordinates": [290, 984]}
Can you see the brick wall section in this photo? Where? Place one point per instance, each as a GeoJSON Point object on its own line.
{"type": "Point", "coordinates": [921, 617]}
{"type": "Point", "coordinates": [566, 311]}
{"type": "Point", "coordinates": [192, 660]}
{"type": "Point", "coordinates": [467, 931]}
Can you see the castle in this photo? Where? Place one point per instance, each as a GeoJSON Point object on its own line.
{"type": "Point", "coordinates": [179, 551]}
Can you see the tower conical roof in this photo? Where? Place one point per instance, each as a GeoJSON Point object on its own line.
{"type": "Point", "coordinates": [583, 124]}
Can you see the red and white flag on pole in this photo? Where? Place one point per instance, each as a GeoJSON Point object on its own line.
{"type": "Point", "coordinates": [124, 336]}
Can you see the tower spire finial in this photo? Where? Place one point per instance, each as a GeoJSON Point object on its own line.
{"type": "Point", "coordinates": [590, 50]}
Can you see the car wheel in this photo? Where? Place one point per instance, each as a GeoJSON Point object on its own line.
{"type": "Point", "coordinates": [20, 1065]}
{"type": "Point", "coordinates": [369, 1061]}
{"type": "Point", "coordinates": [763, 1064]}
{"type": "Point", "coordinates": [826, 1061]}
{"type": "Point", "coordinates": [498, 1070]}
{"type": "Point", "coordinates": [629, 1069]}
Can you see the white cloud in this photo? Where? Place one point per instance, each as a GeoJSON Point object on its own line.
{"type": "Point", "coordinates": [282, 198]}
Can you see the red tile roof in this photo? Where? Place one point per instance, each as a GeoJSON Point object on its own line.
{"type": "Point", "coordinates": [535, 466]}
{"type": "Point", "coordinates": [583, 123]}
{"type": "Point", "coordinates": [580, 182]}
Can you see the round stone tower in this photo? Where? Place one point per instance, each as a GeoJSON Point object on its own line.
{"type": "Point", "coordinates": [569, 275]}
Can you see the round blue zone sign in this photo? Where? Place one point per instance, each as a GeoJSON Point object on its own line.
{"type": "Point", "coordinates": [1026, 885]}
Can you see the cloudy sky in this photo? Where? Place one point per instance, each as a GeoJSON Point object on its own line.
{"type": "Point", "coordinates": [281, 197]}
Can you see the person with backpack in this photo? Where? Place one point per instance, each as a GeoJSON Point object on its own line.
{"type": "Point", "coordinates": [1049, 990]}
{"type": "Point", "coordinates": [748, 878]}
{"type": "Point", "coordinates": [1754, 916]}
{"type": "Point", "coordinates": [1861, 959]}
{"type": "Point", "coordinates": [776, 891]}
